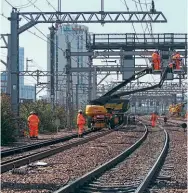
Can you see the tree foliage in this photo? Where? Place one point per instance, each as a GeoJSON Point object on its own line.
{"type": "Point", "coordinates": [43, 109]}
{"type": "Point", "coordinates": [8, 127]}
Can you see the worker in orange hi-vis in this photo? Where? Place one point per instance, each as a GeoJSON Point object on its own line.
{"type": "Point", "coordinates": [33, 122]}
{"type": "Point", "coordinates": [156, 60]}
{"type": "Point", "coordinates": [80, 122]}
{"type": "Point", "coordinates": [153, 119]}
{"type": "Point", "coordinates": [177, 60]}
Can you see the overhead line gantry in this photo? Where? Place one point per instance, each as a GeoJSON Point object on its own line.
{"type": "Point", "coordinates": [34, 18]}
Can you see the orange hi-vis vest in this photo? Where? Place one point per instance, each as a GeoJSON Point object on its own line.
{"type": "Point", "coordinates": [80, 119]}
{"type": "Point", "coordinates": [33, 120]}
{"type": "Point", "coordinates": [153, 117]}
{"type": "Point", "coordinates": [155, 57]}
{"type": "Point", "coordinates": [176, 57]}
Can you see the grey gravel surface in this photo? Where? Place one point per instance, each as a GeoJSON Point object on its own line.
{"type": "Point", "coordinates": [46, 148]}
{"type": "Point", "coordinates": [67, 166]}
{"type": "Point", "coordinates": [132, 171]}
{"type": "Point", "coordinates": [42, 137]}
{"type": "Point", "coordinates": [175, 166]}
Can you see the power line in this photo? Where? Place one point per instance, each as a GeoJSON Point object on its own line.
{"type": "Point", "coordinates": [141, 3]}
{"type": "Point", "coordinates": [51, 5]}
{"type": "Point", "coordinates": [2, 14]}
{"type": "Point", "coordinates": [25, 5]}
{"type": "Point", "coordinates": [9, 3]}
{"type": "Point", "coordinates": [33, 3]}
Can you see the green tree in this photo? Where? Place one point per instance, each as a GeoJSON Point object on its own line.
{"type": "Point", "coordinates": [8, 127]}
{"type": "Point", "coordinates": [45, 115]}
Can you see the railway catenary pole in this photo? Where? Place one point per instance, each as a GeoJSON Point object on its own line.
{"type": "Point", "coordinates": [14, 61]}
{"type": "Point", "coordinates": [69, 91]}
{"type": "Point", "coordinates": [52, 66]}
{"type": "Point", "coordinates": [90, 60]}
{"type": "Point", "coordinates": [8, 67]}
{"type": "Point", "coordinates": [56, 68]}
{"type": "Point", "coordinates": [34, 18]}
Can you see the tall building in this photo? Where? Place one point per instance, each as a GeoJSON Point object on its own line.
{"type": "Point", "coordinates": [25, 91]}
{"type": "Point", "coordinates": [76, 35]}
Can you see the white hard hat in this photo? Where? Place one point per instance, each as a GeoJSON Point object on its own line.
{"type": "Point", "coordinates": [80, 111]}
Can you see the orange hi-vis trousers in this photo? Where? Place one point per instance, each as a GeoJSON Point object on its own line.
{"type": "Point", "coordinates": [153, 123]}
{"type": "Point", "coordinates": [177, 62]}
{"type": "Point", "coordinates": [80, 129]}
{"type": "Point", "coordinates": [156, 64]}
{"type": "Point", "coordinates": [33, 131]}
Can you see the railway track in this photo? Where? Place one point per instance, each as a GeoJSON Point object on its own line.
{"type": "Point", "coordinates": [27, 159]}
{"type": "Point", "coordinates": [98, 179]}
{"type": "Point", "coordinates": [173, 174]}
{"type": "Point", "coordinates": [25, 148]}
{"type": "Point", "coordinates": [67, 166]}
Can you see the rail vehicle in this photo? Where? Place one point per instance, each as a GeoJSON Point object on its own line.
{"type": "Point", "coordinates": [109, 110]}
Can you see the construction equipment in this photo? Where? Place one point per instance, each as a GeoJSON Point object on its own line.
{"type": "Point", "coordinates": [109, 109]}
{"type": "Point", "coordinates": [177, 110]}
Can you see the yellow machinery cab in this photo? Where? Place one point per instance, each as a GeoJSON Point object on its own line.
{"type": "Point", "coordinates": [93, 110]}
{"type": "Point", "coordinates": [96, 116]}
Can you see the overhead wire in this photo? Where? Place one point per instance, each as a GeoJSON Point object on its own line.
{"type": "Point", "coordinates": [141, 3]}
{"type": "Point", "coordinates": [51, 5]}
{"type": "Point", "coordinates": [125, 3]}
{"type": "Point", "coordinates": [29, 4]}
{"type": "Point", "coordinates": [9, 3]}
{"type": "Point", "coordinates": [150, 30]}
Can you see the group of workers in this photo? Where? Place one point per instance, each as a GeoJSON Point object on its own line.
{"type": "Point", "coordinates": [174, 63]}
{"type": "Point", "coordinates": [33, 124]}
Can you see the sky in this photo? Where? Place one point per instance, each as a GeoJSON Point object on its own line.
{"type": "Point", "coordinates": [36, 49]}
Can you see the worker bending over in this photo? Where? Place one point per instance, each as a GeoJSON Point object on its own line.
{"type": "Point", "coordinates": [33, 123]}
{"type": "Point", "coordinates": [80, 122]}
{"type": "Point", "coordinates": [153, 119]}
{"type": "Point", "coordinates": [177, 60]}
{"type": "Point", "coordinates": [156, 60]}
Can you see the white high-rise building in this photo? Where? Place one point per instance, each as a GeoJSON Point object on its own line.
{"type": "Point", "coordinates": [76, 35]}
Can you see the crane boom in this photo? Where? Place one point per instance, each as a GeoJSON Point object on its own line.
{"type": "Point", "coordinates": [101, 100]}
{"type": "Point", "coordinates": [108, 96]}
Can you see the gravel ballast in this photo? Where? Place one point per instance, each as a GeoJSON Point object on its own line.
{"type": "Point", "coordinates": [47, 147]}
{"type": "Point", "coordinates": [64, 167]}
{"type": "Point", "coordinates": [132, 171]}
{"type": "Point", "coordinates": [175, 166]}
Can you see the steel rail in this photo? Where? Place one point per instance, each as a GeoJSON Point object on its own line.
{"type": "Point", "coordinates": [74, 186]}
{"type": "Point", "coordinates": [29, 147]}
{"type": "Point", "coordinates": [156, 167]}
{"type": "Point", "coordinates": [17, 162]}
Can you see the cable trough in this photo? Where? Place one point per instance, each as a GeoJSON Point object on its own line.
{"type": "Point", "coordinates": [96, 179]}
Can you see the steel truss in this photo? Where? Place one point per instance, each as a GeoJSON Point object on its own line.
{"type": "Point", "coordinates": [34, 18]}
{"type": "Point", "coordinates": [166, 89]}
{"type": "Point", "coordinates": [164, 41]}
{"type": "Point", "coordinates": [4, 38]}
{"type": "Point", "coordinates": [96, 54]}
{"type": "Point", "coordinates": [90, 17]}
